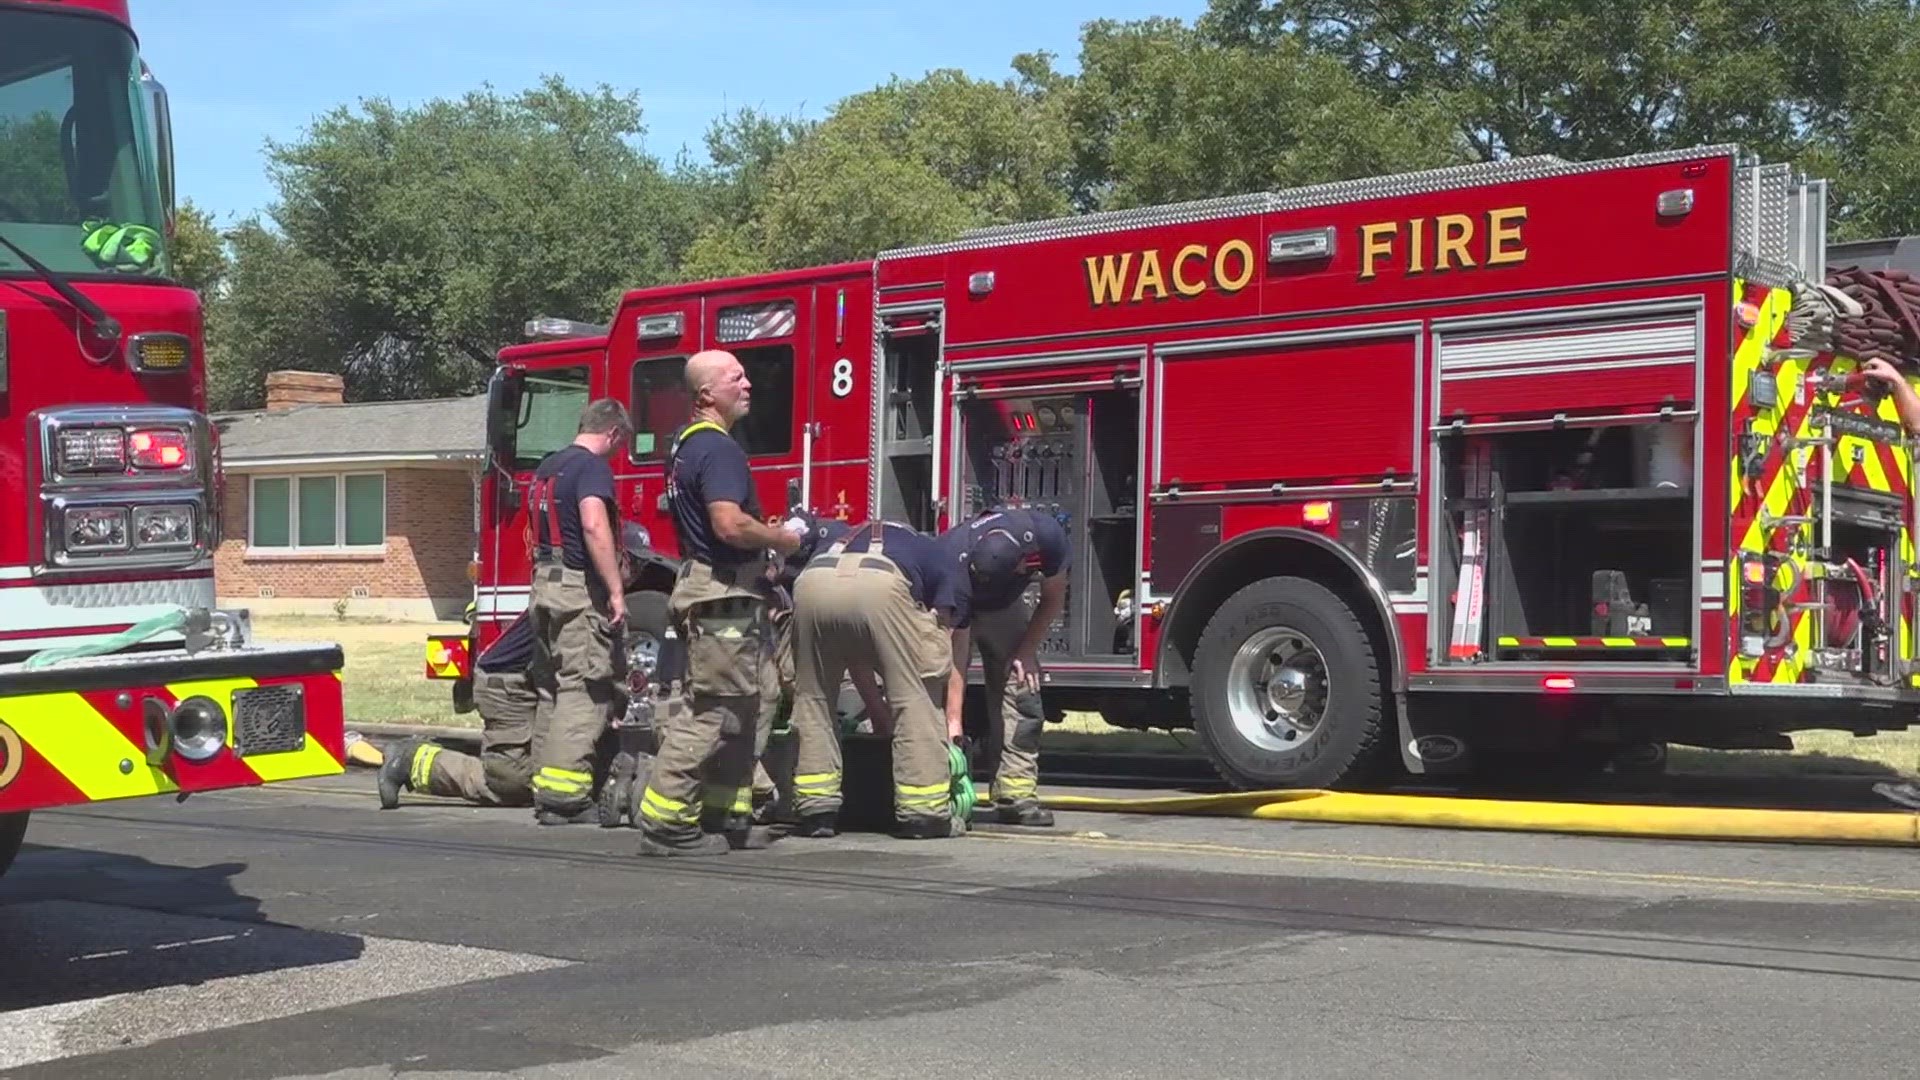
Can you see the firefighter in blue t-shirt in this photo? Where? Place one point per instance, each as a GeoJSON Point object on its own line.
{"type": "Point", "coordinates": [501, 775]}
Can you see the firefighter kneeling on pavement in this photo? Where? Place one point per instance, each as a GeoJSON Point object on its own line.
{"type": "Point", "coordinates": [503, 695]}
{"type": "Point", "coordinates": [882, 595]}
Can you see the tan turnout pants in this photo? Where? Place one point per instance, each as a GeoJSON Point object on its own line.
{"type": "Point", "coordinates": [704, 771]}
{"type": "Point", "coordinates": [501, 775]}
{"type": "Point", "coordinates": [579, 682]}
{"type": "Point", "coordinates": [1014, 712]}
{"type": "Point", "coordinates": [853, 606]}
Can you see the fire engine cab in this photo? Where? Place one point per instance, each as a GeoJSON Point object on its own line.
{"type": "Point", "coordinates": [1532, 464]}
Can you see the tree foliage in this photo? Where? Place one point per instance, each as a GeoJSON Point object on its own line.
{"type": "Point", "coordinates": [408, 245]}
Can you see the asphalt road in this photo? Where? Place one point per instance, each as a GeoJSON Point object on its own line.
{"type": "Point", "coordinates": [301, 932]}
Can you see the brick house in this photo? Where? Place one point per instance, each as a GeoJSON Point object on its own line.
{"type": "Point", "coordinates": [372, 503]}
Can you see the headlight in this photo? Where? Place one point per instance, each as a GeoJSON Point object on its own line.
{"type": "Point", "coordinates": [94, 528]}
{"type": "Point", "coordinates": [163, 526]}
{"type": "Point", "coordinates": [199, 728]}
{"type": "Point", "coordinates": [92, 450]}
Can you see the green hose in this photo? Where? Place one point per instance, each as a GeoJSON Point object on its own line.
{"type": "Point", "coordinates": [961, 789]}
{"type": "Point", "coordinates": [132, 635]}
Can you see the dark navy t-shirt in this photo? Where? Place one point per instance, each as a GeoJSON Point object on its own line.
{"type": "Point", "coordinates": [710, 467]}
{"type": "Point", "coordinates": [579, 474]}
{"type": "Point", "coordinates": [512, 651]}
{"type": "Point", "coordinates": [1047, 552]}
{"type": "Point", "coordinates": [937, 581]}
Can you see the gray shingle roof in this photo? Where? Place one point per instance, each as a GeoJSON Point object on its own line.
{"type": "Point", "coordinates": [451, 427]}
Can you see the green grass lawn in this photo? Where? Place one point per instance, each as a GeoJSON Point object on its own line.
{"type": "Point", "coordinates": [385, 682]}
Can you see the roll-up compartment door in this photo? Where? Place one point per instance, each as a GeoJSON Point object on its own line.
{"type": "Point", "coordinates": [1591, 366]}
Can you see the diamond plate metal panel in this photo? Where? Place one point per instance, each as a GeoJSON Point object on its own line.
{"type": "Point", "coordinates": [1772, 214]}
{"type": "Point", "coordinates": [1743, 198]}
{"type": "Point", "coordinates": [183, 592]}
{"type": "Point", "coordinates": [269, 720]}
{"type": "Point", "coordinates": [1454, 177]}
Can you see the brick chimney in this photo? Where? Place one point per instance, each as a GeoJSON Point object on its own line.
{"type": "Point", "coordinates": [285, 389]}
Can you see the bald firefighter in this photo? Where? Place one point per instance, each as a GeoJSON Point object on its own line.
{"type": "Point", "coordinates": [698, 800]}
{"type": "Point", "coordinates": [883, 595]}
{"type": "Point", "coordinates": [1005, 549]}
{"type": "Point", "coordinates": [577, 600]}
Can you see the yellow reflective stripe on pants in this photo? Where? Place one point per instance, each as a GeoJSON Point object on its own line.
{"type": "Point", "coordinates": [930, 798]}
{"type": "Point", "coordinates": [420, 772]}
{"type": "Point", "coordinates": [731, 799]}
{"type": "Point", "coordinates": [563, 781]}
{"type": "Point", "coordinates": [817, 783]}
{"type": "Point", "coordinates": [1014, 789]}
{"type": "Point", "coordinates": [666, 811]}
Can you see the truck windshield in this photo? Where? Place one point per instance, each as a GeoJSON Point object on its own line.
{"type": "Point", "coordinates": [79, 160]}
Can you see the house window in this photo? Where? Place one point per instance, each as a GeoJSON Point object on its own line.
{"type": "Point", "coordinates": [342, 512]}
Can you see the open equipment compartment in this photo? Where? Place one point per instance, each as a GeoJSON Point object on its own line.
{"type": "Point", "coordinates": [905, 429]}
{"type": "Point", "coordinates": [1074, 454]}
{"type": "Point", "coordinates": [1586, 540]}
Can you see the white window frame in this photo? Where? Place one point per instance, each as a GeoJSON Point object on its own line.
{"type": "Point", "coordinates": [294, 547]}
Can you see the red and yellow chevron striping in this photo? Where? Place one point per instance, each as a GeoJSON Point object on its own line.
{"type": "Point", "coordinates": [1774, 494]}
{"type": "Point", "coordinates": [61, 748]}
{"type": "Point", "coordinates": [447, 656]}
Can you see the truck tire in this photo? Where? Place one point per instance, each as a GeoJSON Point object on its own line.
{"type": "Point", "coordinates": [13, 830]}
{"type": "Point", "coordinates": [1286, 689]}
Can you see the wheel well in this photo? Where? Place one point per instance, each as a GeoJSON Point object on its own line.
{"type": "Point", "coordinates": [1248, 559]}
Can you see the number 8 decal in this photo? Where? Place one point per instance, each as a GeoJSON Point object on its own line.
{"type": "Point", "coordinates": [842, 377]}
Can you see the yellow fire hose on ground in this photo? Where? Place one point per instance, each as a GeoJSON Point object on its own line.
{"type": "Point", "coordinates": [1594, 819]}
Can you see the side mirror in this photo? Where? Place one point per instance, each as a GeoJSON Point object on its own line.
{"type": "Point", "coordinates": [503, 413]}
{"type": "Point", "coordinates": [162, 114]}
{"type": "Point", "coordinates": [793, 494]}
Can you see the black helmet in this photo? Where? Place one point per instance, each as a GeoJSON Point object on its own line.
{"type": "Point", "coordinates": [821, 533]}
{"type": "Point", "coordinates": [996, 555]}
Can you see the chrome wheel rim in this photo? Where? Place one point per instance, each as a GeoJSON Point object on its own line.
{"type": "Point", "coordinates": [1277, 688]}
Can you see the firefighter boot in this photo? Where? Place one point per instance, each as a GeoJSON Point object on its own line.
{"type": "Point", "coordinates": [657, 846]}
{"type": "Point", "coordinates": [545, 816]}
{"type": "Point", "coordinates": [931, 828]}
{"type": "Point", "coordinates": [1026, 812]}
{"type": "Point", "coordinates": [816, 826]}
{"type": "Point", "coordinates": [396, 772]}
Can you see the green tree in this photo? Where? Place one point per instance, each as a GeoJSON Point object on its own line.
{"type": "Point", "coordinates": [1584, 80]}
{"type": "Point", "coordinates": [910, 161]}
{"type": "Point", "coordinates": [742, 150]}
{"type": "Point", "coordinates": [199, 252]}
{"type": "Point", "coordinates": [426, 237]}
{"type": "Point", "coordinates": [1162, 112]}
{"type": "Point", "coordinates": [31, 174]}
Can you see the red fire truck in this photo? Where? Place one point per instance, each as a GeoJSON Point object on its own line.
{"type": "Point", "coordinates": [118, 677]}
{"type": "Point", "coordinates": [1533, 464]}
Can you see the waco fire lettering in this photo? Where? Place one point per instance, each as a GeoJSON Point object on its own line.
{"type": "Point", "coordinates": [1133, 276]}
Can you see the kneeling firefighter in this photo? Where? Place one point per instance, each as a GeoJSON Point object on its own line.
{"type": "Point", "coordinates": [501, 774]}
{"type": "Point", "coordinates": [883, 595]}
{"type": "Point", "coordinates": [503, 694]}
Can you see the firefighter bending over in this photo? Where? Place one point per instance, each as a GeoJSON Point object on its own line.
{"type": "Point", "coordinates": [699, 798]}
{"type": "Point", "coordinates": [505, 699]}
{"type": "Point", "coordinates": [1003, 548]}
{"type": "Point", "coordinates": [577, 602]}
{"type": "Point", "coordinates": [885, 595]}
{"type": "Point", "coordinates": [819, 533]}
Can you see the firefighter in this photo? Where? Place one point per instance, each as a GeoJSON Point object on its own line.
{"type": "Point", "coordinates": [577, 602]}
{"type": "Point", "coordinates": [885, 595]}
{"type": "Point", "coordinates": [1904, 792]}
{"type": "Point", "coordinates": [819, 533]}
{"type": "Point", "coordinates": [698, 800]}
{"type": "Point", "coordinates": [1003, 549]}
{"type": "Point", "coordinates": [1904, 398]}
{"type": "Point", "coordinates": [505, 699]}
